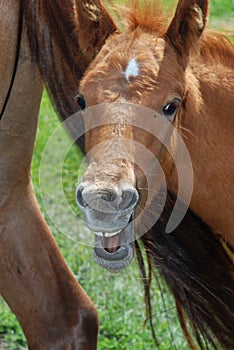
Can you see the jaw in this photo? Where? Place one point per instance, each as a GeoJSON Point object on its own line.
{"type": "Point", "coordinates": [115, 252]}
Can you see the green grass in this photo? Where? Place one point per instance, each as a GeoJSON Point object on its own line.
{"type": "Point", "coordinates": [119, 298]}
{"type": "Point", "coordinates": [222, 9]}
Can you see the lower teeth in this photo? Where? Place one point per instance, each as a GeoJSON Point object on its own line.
{"type": "Point", "coordinates": [107, 234]}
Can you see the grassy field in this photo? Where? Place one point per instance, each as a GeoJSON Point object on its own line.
{"type": "Point", "coordinates": [119, 298]}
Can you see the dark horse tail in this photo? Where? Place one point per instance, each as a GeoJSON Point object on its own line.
{"type": "Point", "coordinates": [197, 266]}
{"type": "Point", "coordinates": [54, 45]}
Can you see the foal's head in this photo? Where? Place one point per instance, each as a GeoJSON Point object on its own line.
{"type": "Point", "coordinates": [143, 66]}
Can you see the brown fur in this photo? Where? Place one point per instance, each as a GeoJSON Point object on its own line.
{"type": "Point", "coordinates": [52, 308]}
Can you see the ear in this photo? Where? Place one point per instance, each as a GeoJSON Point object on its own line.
{"type": "Point", "coordinates": [94, 26]}
{"type": "Point", "coordinates": [187, 25]}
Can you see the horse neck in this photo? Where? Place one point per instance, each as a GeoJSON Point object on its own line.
{"type": "Point", "coordinates": [209, 120]}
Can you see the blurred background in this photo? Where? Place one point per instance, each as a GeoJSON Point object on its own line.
{"type": "Point", "coordinates": [118, 298]}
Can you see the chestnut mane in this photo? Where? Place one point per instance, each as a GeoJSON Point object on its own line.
{"type": "Point", "coordinates": [148, 15]}
{"type": "Point", "coordinates": [195, 262]}
{"type": "Point", "coordinates": [217, 48]}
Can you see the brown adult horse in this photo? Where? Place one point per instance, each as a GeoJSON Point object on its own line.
{"type": "Point", "coordinates": [52, 308]}
{"type": "Point", "coordinates": [185, 75]}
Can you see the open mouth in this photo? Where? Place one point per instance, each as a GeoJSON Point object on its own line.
{"type": "Point", "coordinates": [114, 251]}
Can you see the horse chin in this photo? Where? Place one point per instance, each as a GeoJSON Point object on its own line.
{"type": "Point", "coordinates": [114, 252]}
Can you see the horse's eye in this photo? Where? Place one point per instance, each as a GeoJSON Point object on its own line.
{"type": "Point", "coordinates": [81, 101]}
{"type": "Point", "coordinates": [170, 109]}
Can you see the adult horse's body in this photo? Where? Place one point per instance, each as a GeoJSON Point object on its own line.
{"type": "Point", "coordinates": [187, 76]}
{"type": "Point", "coordinates": [52, 308]}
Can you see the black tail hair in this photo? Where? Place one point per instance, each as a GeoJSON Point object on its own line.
{"type": "Point", "coordinates": [197, 266]}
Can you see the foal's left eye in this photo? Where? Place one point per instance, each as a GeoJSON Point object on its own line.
{"type": "Point", "coordinates": [170, 109]}
{"type": "Point", "coordinates": [81, 101]}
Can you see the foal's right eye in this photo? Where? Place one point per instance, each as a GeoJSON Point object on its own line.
{"type": "Point", "coordinates": [81, 101]}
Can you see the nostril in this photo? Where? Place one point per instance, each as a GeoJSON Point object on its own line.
{"type": "Point", "coordinates": [79, 198]}
{"type": "Point", "coordinates": [129, 199]}
{"type": "Point", "coordinates": [103, 199]}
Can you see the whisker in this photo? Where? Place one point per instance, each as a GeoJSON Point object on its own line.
{"type": "Point", "coordinates": [148, 209]}
{"type": "Point", "coordinates": [147, 189]}
{"type": "Point", "coordinates": [185, 131]}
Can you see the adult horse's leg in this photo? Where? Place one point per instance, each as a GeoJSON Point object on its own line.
{"type": "Point", "coordinates": [52, 308]}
